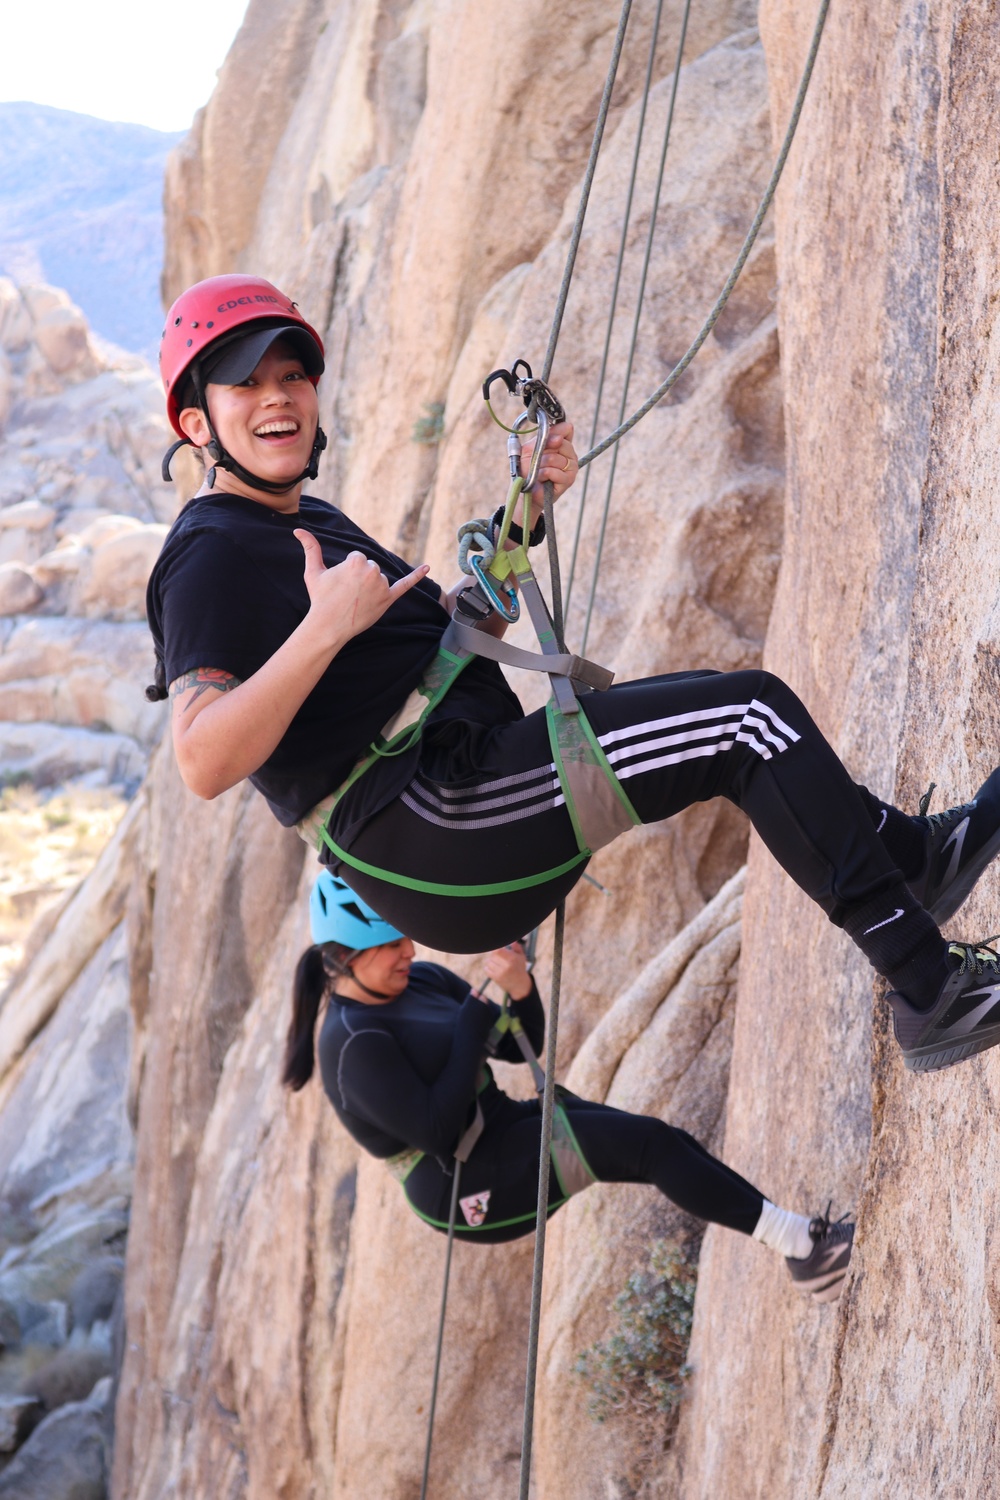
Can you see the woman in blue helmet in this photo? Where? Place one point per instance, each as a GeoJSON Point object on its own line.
{"type": "Point", "coordinates": [402, 1054]}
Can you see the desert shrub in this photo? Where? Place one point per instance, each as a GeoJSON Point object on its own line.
{"type": "Point", "coordinates": [429, 429]}
{"type": "Point", "coordinates": [641, 1368]}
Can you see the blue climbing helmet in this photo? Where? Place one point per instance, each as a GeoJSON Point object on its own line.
{"type": "Point", "coordinates": [337, 915]}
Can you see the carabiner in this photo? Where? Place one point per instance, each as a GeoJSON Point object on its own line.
{"type": "Point", "coordinates": [541, 435]}
{"type": "Point", "coordinates": [509, 611]}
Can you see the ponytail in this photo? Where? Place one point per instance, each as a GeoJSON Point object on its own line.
{"type": "Point", "coordinates": [157, 690]}
{"type": "Point", "coordinates": [313, 973]}
{"type": "Point", "coordinates": [308, 989]}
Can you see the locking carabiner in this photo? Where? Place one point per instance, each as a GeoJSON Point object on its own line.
{"type": "Point", "coordinates": [509, 610]}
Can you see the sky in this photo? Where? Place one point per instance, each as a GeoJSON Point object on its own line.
{"type": "Point", "coordinates": [150, 62]}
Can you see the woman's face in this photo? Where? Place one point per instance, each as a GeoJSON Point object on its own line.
{"type": "Point", "coordinates": [268, 422]}
{"type": "Point", "coordinates": [385, 969]}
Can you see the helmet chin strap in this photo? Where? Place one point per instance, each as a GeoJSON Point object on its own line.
{"type": "Point", "coordinates": [223, 460]}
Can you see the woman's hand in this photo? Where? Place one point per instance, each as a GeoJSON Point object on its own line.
{"type": "Point", "coordinates": [508, 968]}
{"type": "Point", "coordinates": [559, 463]}
{"type": "Point", "coordinates": [346, 599]}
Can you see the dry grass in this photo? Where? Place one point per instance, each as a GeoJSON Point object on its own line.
{"type": "Point", "coordinates": [48, 843]}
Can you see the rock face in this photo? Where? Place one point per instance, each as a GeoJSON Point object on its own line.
{"type": "Point", "coordinates": [83, 514]}
{"type": "Point", "coordinates": [280, 1303]}
{"type": "Point", "coordinates": [307, 1373]}
{"type": "Point", "coordinates": [886, 622]}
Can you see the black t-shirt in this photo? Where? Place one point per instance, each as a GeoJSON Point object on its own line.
{"type": "Point", "coordinates": [228, 590]}
{"type": "Point", "coordinates": [402, 1076]}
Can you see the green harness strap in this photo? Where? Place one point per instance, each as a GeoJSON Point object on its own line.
{"type": "Point", "coordinates": [598, 806]}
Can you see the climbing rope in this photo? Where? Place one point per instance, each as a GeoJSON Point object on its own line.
{"type": "Point", "coordinates": [548, 1094]}
{"type": "Point", "coordinates": [635, 325]}
{"type": "Point", "coordinates": [452, 1216]}
{"type": "Point", "coordinates": [588, 178]}
{"type": "Point", "coordinates": [748, 244]}
{"type": "Point", "coordinates": [615, 287]}
{"type": "Point", "coordinates": [548, 1097]}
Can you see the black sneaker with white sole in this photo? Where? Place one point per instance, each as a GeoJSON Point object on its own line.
{"type": "Point", "coordinates": [964, 1019]}
{"type": "Point", "coordinates": [821, 1274]}
{"type": "Point", "coordinates": [960, 844]}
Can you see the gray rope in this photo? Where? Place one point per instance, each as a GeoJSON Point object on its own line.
{"type": "Point", "coordinates": [668, 127]}
{"type": "Point", "coordinates": [548, 1095]}
{"type": "Point", "coordinates": [626, 220]}
{"type": "Point", "coordinates": [541, 1215]}
{"type": "Point", "coordinates": [452, 1215]}
{"type": "Point", "coordinates": [588, 177]}
{"type": "Point", "coordinates": [732, 278]}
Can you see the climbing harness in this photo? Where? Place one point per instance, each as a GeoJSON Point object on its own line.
{"type": "Point", "coordinates": [572, 1172]}
{"type": "Point", "coordinates": [598, 806]}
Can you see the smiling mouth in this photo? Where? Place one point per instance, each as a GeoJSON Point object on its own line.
{"type": "Point", "coordinates": [276, 431]}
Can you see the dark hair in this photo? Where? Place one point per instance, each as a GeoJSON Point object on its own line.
{"type": "Point", "coordinates": [313, 973]}
{"type": "Point", "coordinates": [157, 689]}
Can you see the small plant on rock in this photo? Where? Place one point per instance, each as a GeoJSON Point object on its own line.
{"type": "Point", "coordinates": [641, 1370]}
{"type": "Point", "coordinates": [429, 429]}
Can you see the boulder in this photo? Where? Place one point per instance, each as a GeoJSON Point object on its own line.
{"type": "Point", "coordinates": [6, 388]}
{"type": "Point", "coordinates": [10, 1325]}
{"type": "Point", "coordinates": [18, 1414]}
{"type": "Point", "coordinates": [65, 1458]}
{"type": "Point", "coordinates": [84, 673]}
{"type": "Point", "coordinates": [15, 319]}
{"type": "Point", "coordinates": [45, 1325]}
{"type": "Point", "coordinates": [82, 949]}
{"type": "Point", "coordinates": [96, 528]}
{"type": "Point", "coordinates": [82, 430]}
{"type": "Point", "coordinates": [57, 571]}
{"type": "Point", "coordinates": [115, 585]}
{"type": "Point", "coordinates": [27, 515]}
{"type": "Point", "coordinates": [20, 590]}
{"type": "Point", "coordinates": [62, 336]}
{"type": "Point", "coordinates": [68, 1376]}
{"type": "Point", "coordinates": [93, 1293]}
{"type": "Point", "coordinates": [50, 755]}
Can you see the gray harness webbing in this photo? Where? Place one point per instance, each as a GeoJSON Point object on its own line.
{"type": "Point", "coordinates": [466, 638]}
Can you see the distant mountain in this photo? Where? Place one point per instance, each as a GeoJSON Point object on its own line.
{"type": "Point", "coordinates": [80, 206]}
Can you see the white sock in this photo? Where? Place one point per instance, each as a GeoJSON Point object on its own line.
{"type": "Point", "coordinates": [781, 1230]}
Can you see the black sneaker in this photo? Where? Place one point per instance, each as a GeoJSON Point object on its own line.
{"type": "Point", "coordinates": [964, 1019]}
{"type": "Point", "coordinates": [961, 843]}
{"type": "Point", "coordinates": [821, 1274]}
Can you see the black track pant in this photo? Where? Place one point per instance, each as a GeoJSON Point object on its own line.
{"type": "Point", "coordinates": [672, 741]}
{"type": "Point", "coordinates": [618, 1147]}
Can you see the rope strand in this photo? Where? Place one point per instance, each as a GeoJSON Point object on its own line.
{"type": "Point", "coordinates": [541, 1214]}
{"type": "Point", "coordinates": [588, 177]}
{"type": "Point", "coordinates": [452, 1215]}
{"type": "Point", "coordinates": [647, 256]}
{"type": "Point", "coordinates": [733, 277]}
{"type": "Point", "coordinates": [626, 221]}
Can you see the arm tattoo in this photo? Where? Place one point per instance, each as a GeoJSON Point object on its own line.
{"type": "Point", "coordinates": [201, 679]}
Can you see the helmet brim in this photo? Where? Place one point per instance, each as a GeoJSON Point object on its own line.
{"type": "Point", "coordinates": [241, 354]}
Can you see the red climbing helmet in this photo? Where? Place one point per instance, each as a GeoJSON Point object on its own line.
{"type": "Point", "coordinates": [216, 309]}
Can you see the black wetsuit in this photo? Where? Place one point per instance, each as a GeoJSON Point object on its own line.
{"type": "Point", "coordinates": [402, 1076]}
{"type": "Point", "coordinates": [478, 799]}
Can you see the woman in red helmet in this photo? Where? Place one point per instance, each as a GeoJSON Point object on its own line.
{"type": "Point", "coordinates": [289, 638]}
